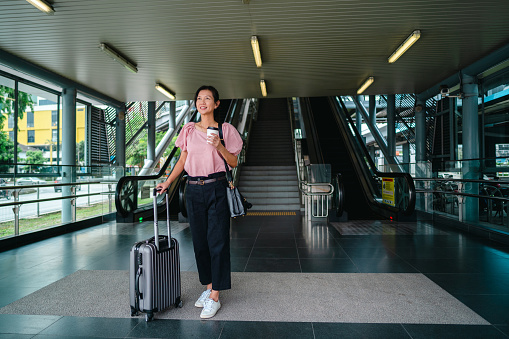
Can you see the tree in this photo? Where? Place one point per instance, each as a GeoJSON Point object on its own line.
{"type": "Point", "coordinates": [35, 159]}
{"type": "Point", "coordinates": [140, 152]}
{"type": "Point", "coordinates": [80, 151]}
{"type": "Point", "coordinates": [7, 100]}
{"type": "Point", "coordinates": [6, 152]}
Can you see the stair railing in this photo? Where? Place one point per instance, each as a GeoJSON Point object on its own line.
{"type": "Point", "coordinates": [314, 195]}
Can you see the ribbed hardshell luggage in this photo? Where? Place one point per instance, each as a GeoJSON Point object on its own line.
{"type": "Point", "coordinates": [154, 272]}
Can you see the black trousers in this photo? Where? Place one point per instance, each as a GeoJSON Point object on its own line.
{"type": "Point", "coordinates": [209, 219]}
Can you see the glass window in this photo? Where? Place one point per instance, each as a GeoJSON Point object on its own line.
{"type": "Point", "coordinates": [30, 119]}
{"type": "Point", "coordinates": [6, 122]}
{"type": "Point", "coordinates": [30, 136]}
{"type": "Point", "coordinates": [54, 118]}
{"type": "Point", "coordinates": [54, 135]}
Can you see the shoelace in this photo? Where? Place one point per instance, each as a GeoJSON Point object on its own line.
{"type": "Point", "coordinates": [208, 304]}
{"type": "Point", "coordinates": [205, 295]}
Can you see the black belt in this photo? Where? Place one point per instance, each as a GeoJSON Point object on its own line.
{"type": "Point", "coordinates": [203, 182]}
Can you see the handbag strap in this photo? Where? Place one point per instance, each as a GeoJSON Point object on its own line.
{"type": "Point", "coordinates": [229, 175]}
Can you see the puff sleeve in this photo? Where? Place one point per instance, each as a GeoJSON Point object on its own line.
{"type": "Point", "coordinates": [232, 140]}
{"type": "Point", "coordinates": [184, 133]}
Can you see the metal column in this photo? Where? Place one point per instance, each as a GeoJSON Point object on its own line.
{"type": "Point", "coordinates": [470, 137]}
{"type": "Point", "coordinates": [68, 151]}
{"type": "Point", "coordinates": [372, 109]}
{"type": "Point", "coordinates": [188, 117]}
{"type": "Point", "coordinates": [420, 130]}
{"type": "Point", "coordinates": [358, 117]}
{"type": "Point", "coordinates": [406, 157]}
{"type": "Point", "coordinates": [151, 132]}
{"type": "Point", "coordinates": [423, 203]}
{"type": "Point", "coordinates": [120, 141]}
{"type": "Point", "coordinates": [391, 124]}
{"type": "Point", "coordinates": [173, 115]}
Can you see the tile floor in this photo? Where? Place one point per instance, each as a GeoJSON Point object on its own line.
{"type": "Point", "coordinates": [474, 270]}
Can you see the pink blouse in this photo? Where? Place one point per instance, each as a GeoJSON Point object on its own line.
{"type": "Point", "coordinates": [203, 159]}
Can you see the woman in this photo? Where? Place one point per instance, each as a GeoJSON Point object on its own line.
{"type": "Point", "coordinates": [207, 207]}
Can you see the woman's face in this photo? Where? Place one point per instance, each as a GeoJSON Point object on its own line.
{"type": "Point", "coordinates": [205, 102]}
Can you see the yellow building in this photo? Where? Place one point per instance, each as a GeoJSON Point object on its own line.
{"type": "Point", "coordinates": [40, 128]}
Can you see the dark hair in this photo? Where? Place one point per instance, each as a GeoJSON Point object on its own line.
{"type": "Point", "coordinates": [214, 91]}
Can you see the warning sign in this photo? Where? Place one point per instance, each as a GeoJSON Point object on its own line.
{"type": "Point", "coordinates": [388, 191]}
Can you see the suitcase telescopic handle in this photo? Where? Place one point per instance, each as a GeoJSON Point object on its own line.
{"type": "Point", "coordinates": [156, 228]}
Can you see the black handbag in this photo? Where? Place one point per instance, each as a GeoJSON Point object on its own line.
{"type": "Point", "coordinates": [237, 203]}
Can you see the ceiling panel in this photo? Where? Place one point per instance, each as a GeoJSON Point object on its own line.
{"type": "Point", "coordinates": [309, 48]}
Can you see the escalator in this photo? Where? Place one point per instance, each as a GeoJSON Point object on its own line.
{"type": "Point", "coordinates": [335, 142]}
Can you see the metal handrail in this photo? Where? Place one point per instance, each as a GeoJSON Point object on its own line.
{"type": "Point", "coordinates": [302, 183]}
{"type": "Point", "coordinates": [330, 192]}
{"type": "Point", "coordinates": [16, 203]}
{"type": "Point", "coordinates": [20, 187]}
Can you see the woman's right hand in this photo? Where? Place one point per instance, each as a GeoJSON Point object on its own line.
{"type": "Point", "coordinates": [162, 187]}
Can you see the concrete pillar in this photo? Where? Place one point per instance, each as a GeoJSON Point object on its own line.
{"type": "Point", "coordinates": [151, 131]}
{"type": "Point", "coordinates": [68, 149]}
{"type": "Point", "coordinates": [391, 124]}
{"type": "Point", "coordinates": [470, 137]}
{"type": "Point", "coordinates": [173, 115]}
{"type": "Point", "coordinates": [372, 109]}
{"type": "Point", "coordinates": [120, 142]}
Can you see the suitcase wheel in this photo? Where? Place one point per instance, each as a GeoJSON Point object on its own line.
{"type": "Point", "coordinates": [148, 317]}
{"type": "Point", "coordinates": [133, 312]}
{"type": "Point", "coordinates": [180, 304]}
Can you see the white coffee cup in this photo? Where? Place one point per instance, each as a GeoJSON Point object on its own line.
{"type": "Point", "coordinates": [212, 131]}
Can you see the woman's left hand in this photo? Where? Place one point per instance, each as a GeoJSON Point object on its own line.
{"type": "Point", "coordinates": [214, 141]}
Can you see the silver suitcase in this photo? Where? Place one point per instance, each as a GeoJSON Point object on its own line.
{"type": "Point", "coordinates": [154, 271]}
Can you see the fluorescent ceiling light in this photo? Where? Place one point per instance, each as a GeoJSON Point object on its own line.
{"type": "Point", "coordinates": [256, 51]}
{"type": "Point", "coordinates": [405, 46]}
{"type": "Point", "coordinates": [365, 85]}
{"type": "Point", "coordinates": [118, 58]}
{"type": "Point", "coordinates": [165, 91]}
{"type": "Point", "coordinates": [263, 87]}
{"type": "Point", "coordinates": [42, 6]}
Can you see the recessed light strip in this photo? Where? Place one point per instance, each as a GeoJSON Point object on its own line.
{"type": "Point", "coordinates": [365, 85]}
{"type": "Point", "coordinates": [405, 46]}
{"type": "Point", "coordinates": [118, 58]}
{"type": "Point", "coordinates": [43, 6]}
{"type": "Point", "coordinates": [161, 88]}
{"type": "Point", "coordinates": [256, 51]}
{"type": "Point", "coordinates": [263, 87]}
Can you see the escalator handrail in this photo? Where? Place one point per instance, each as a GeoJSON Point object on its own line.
{"type": "Point", "coordinates": [406, 176]}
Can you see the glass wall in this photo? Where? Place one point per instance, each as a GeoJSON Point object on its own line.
{"type": "Point", "coordinates": [34, 125]}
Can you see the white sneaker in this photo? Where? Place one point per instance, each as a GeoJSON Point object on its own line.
{"type": "Point", "coordinates": [210, 308]}
{"type": "Point", "coordinates": [201, 300]}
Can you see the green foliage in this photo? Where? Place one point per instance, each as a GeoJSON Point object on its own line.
{"type": "Point", "coordinates": [6, 152]}
{"type": "Point", "coordinates": [140, 152]}
{"type": "Point", "coordinates": [80, 151]}
{"type": "Point", "coordinates": [33, 157]}
{"type": "Point", "coordinates": [7, 100]}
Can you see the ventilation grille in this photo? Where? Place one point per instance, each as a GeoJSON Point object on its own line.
{"type": "Point", "coordinates": [99, 145]}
